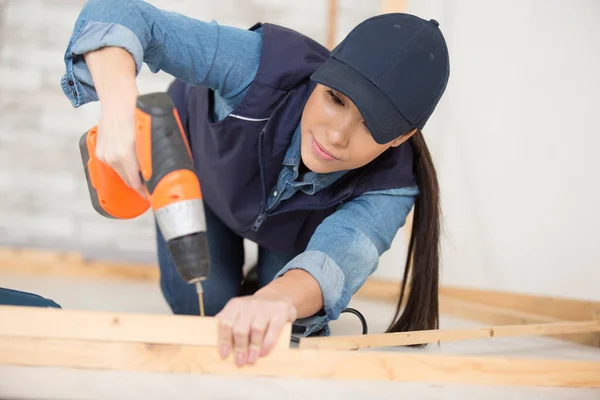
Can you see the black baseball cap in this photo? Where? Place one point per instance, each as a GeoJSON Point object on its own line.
{"type": "Point", "coordinates": [394, 67]}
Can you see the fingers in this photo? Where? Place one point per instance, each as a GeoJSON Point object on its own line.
{"type": "Point", "coordinates": [115, 147]}
{"type": "Point", "coordinates": [250, 327]}
{"type": "Point", "coordinates": [227, 318]}
{"type": "Point", "coordinates": [288, 314]}
{"type": "Point", "coordinates": [241, 331]}
{"type": "Point", "coordinates": [258, 328]}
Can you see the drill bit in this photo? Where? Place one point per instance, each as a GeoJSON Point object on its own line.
{"type": "Point", "coordinates": [200, 297]}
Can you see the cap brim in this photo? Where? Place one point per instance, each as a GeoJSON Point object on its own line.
{"type": "Point", "coordinates": [382, 118]}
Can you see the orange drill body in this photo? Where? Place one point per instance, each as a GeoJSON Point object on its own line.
{"type": "Point", "coordinates": [170, 182]}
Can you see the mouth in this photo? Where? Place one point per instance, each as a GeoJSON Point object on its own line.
{"type": "Point", "coordinates": [321, 152]}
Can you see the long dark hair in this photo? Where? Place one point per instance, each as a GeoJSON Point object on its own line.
{"type": "Point", "coordinates": [421, 311]}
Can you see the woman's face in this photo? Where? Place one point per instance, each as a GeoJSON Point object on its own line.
{"type": "Point", "coordinates": [334, 134]}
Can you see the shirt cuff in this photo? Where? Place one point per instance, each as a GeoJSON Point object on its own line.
{"type": "Point", "coordinates": [331, 279]}
{"type": "Point", "coordinates": [77, 83]}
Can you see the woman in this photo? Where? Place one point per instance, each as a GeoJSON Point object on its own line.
{"type": "Point", "coordinates": [316, 157]}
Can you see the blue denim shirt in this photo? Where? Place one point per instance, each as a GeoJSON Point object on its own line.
{"type": "Point", "coordinates": [346, 247]}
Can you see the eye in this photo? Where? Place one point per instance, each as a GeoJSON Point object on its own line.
{"type": "Point", "coordinates": [335, 98]}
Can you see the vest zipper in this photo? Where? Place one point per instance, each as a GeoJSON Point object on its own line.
{"type": "Point", "coordinates": [263, 216]}
{"type": "Point", "coordinates": [323, 207]}
{"type": "Point", "coordinates": [259, 220]}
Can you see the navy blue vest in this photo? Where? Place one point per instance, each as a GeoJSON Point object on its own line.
{"type": "Point", "coordinates": [238, 161]}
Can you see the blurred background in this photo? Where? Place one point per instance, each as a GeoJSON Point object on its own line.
{"type": "Point", "coordinates": [514, 139]}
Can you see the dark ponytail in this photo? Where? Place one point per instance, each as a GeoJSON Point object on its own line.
{"type": "Point", "coordinates": [421, 311]}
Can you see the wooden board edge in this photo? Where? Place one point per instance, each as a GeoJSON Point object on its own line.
{"type": "Point", "coordinates": [381, 340]}
{"type": "Point", "coordinates": [558, 308]}
{"type": "Point", "coordinates": [305, 364]}
{"type": "Point", "coordinates": [17, 321]}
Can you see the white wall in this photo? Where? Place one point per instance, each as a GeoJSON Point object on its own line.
{"type": "Point", "coordinates": [512, 139]}
{"type": "Point", "coordinates": [515, 141]}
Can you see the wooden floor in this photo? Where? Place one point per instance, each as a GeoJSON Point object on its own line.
{"type": "Point", "coordinates": [76, 293]}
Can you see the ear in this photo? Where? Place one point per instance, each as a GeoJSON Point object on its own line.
{"type": "Point", "coordinates": [401, 139]}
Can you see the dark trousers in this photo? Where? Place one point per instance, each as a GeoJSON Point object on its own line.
{"type": "Point", "coordinates": [225, 278]}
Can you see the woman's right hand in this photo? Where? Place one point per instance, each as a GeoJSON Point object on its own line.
{"type": "Point", "coordinates": [115, 145]}
{"type": "Point", "coordinates": [113, 71]}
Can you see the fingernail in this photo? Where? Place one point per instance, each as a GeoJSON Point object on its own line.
{"type": "Point", "coordinates": [240, 358]}
{"type": "Point", "coordinates": [224, 350]}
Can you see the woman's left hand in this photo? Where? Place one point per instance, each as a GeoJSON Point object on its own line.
{"type": "Point", "coordinates": [250, 326]}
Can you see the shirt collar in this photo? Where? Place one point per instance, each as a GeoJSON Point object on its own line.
{"type": "Point", "coordinates": [293, 156]}
{"type": "Point", "coordinates": [316, 180]}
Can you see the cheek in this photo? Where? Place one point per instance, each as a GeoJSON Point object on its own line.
{"type": "Point", "coordinates": [363, 150]}
{"type": "Point", "coordinates": [317, 113]}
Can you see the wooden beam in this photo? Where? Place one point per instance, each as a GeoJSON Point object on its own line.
{"type": "Point", "coordinates": [550, 306]}
{"type": "Point", "coordinates": [356, 342]}
{"type": "Point", "coordinates": [39, 262]}
{"type": "Point", "coordinates": [332, 7]}
{"type": "Point", "coordinates": [54, 323]}
{"type": "Point", "coordinates": [389, 6]}
{"type": "Point", "coordinates": [379, 290]}
{"type": "Point", "coordinates": [296, 363]}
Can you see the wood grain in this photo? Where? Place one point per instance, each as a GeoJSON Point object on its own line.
{"type": "Point", "coordinates": [356, 342]}
{"type": "Point", "coordinates": [296, 363]}
{"type": "Point", "coordinates": [35, 322]}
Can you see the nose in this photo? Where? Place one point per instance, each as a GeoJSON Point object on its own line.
{"type": "Point", "coordinates": [339, 134]}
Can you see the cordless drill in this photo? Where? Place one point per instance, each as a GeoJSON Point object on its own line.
{"type": "Point", "coordinates": [170, 183]}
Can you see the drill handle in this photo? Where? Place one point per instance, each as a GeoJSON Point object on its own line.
{"type": "Point", "coordinates": [110, 196]}
{"type": "Point", "coordinates": [163, 152]}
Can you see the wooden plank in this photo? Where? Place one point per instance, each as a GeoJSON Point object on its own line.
{"type": "Point", "coordinates": [296, 363]}
{"type": "Point", "coordinates": [501, 316]}
{"type": "Point", "coordinates": [38, 262]}
{"type": "Point", "coordinates": [332, 8]}
{"type": "Point", "coordinates": [389, 6]}
{"type": "Point", "coordinates": [110, 326]}
{"type": "Point", "coordinates": [380, 290]}
{"type": "Point", "coordinates": [551, 306]}
{"type": "Point", "coordinates": [557, 308]}
{"type": "Point", "coordinates": [355, 342]}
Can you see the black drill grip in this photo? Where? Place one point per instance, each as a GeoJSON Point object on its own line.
{"type": "Point", "coordinates": [169, 147]}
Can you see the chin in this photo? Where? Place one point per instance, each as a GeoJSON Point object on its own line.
{"type": "Point", "coordinates": [316, 165]}
{"type": "Point", "coordinates": [311, 163]}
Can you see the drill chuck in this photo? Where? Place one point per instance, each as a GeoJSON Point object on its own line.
{"type": "Point", "coordinates": [190, 255]}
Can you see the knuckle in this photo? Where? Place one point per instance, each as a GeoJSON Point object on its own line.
{"type": "Point", "coordinates": [258, 329]}
{"type": "Point", "coordinates": [240, 334]}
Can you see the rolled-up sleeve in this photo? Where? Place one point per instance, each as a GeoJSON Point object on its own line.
{"type": "Point", "coordinates": [346, 247]}
{"type": "Point", "coordinates": [197, 52]}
